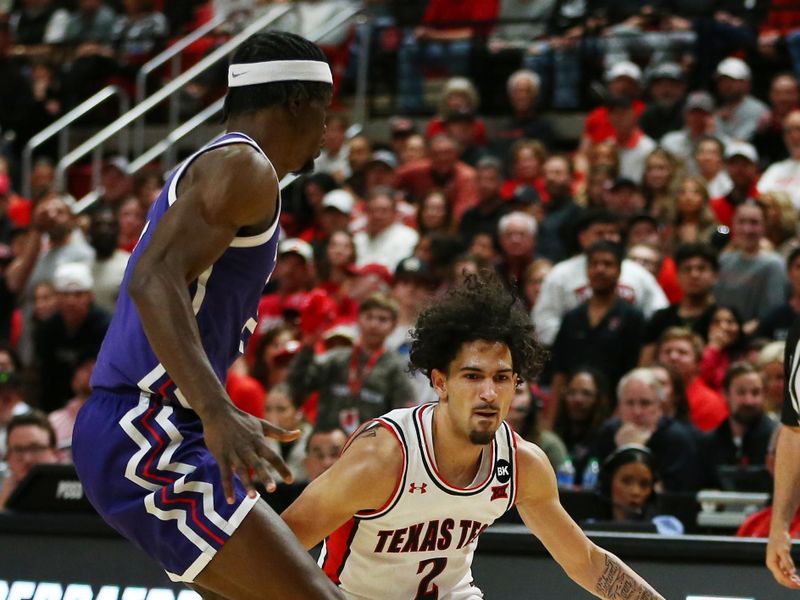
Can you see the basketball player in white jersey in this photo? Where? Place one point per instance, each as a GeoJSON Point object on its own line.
{"type": "Point", "coordinates": [401, 510]}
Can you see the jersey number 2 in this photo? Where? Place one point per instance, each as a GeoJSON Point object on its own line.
{"type": "Point", "coordinates": [428, 590]}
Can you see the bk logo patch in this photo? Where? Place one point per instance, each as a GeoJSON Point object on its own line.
{"type": "Point", "coordinates": [502, 470]}
{"type": "Point", "coordinates": [499, 491]}
{"type": "Point", "coordinates": [421, 488]}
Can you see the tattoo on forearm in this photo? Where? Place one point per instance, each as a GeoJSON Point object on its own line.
{"type": "Point", "coordinates": [616, 584]}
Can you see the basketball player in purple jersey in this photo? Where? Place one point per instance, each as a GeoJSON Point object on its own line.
{"type": "Point", "coordinates": [162, 452]}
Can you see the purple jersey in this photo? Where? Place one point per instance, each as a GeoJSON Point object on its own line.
{"type": "Point", "coordinates": [224, 299]}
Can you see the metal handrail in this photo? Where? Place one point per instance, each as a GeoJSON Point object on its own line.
{"type": "Point", "coordinates": [61, 127]}
{"type": "Point", "coordinates": [360, 104]}
{"type": "Point", "coordinates": [95, 142]}
{"type": "Point", "coordinates": [173, 86]}
{"type": "Point", "coordinates": [174, 54]}
{"type": "Point", "coordinates": [180, 132]}
{"type": "Point", "coordinates": [176, 135]}
{"type": "Point", "coordinates": [158, 149]}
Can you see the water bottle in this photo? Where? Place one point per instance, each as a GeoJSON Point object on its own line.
{"type": "Point", "coordinates": [591, 474]}
{"type": "Point", "coordinates": [566, 474]}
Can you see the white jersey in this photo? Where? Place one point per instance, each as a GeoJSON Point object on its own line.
{"type": "Point", "coordinates": [420, 544]}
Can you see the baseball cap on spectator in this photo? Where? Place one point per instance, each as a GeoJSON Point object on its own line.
{"type": "Point", "coordinates": [5, 184]}
{"type": "Point", "coordinates": [412, 268]}
{"type": "Point", "coordinates": [700, 101]}
{"type": "Point", "coordinates": [735, 68]}
{"type": "Point", "coordinates": [117, 162]}
{"type": "Point", "coordinates": [741, 149]}
{"type": "Point", "coordinates": [296, 246]}
{"type": "Point", "coordinates": [461, 85]}
{"type": "Point", "coordinates": [383, 157]}
{"type": "Point", "coordinates": [340, 200]}
{"type": "Point", "coordinates": [373, 269]}
{"type": "Point", "coordinates": [623, 182]}
{"type": "Point", "coordinates": [73, 277]}
{"type": "Point", "coordinates": [401, 126]}
{"type": "Point", "coordinates": [287, 352]}
{"type": "Point", "coordinates": [666, 70]}
{"type": "Point", "coordinates": [525, 195]}
{"type": "Point", "coordinates": [348, 331]}
{"type": "Point", "coordinates": [624, 68]}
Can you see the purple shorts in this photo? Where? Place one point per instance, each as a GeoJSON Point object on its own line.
{"type": "Point", "coordinates": [146, 469]}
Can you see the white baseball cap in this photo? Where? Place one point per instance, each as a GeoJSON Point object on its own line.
{"type": "Point", "coordinates": [296, 246]}
{"type": "Point", "coordinates": [735, 68]}
{"type": "Point", "coordinates": [624, 68]}
{"type": "Point", "coordinates": [341, 200]}
{"type": "Point", "coordinates": [73, 277]}
{"type": "Point", "coordinates": [741, 149]}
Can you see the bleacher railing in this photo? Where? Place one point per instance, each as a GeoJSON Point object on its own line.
{"type": "Point", "coordinates": [167, 143]}
{"type": "Point", "coordinates": [61, 127]}
{"type": "Point", "coordinates": [94, 144]}
{"type": "Point", "coordinates": [178, 133]}
{"type": "Point", "coordinates": [173, 55]}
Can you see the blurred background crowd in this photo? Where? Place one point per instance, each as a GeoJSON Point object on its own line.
{"type": "Point", "coordinates": [631, 169]}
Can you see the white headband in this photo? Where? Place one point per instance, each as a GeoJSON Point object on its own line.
{"type": "Point", "coordinates": [278, 70]}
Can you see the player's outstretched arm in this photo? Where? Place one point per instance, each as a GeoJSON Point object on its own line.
{"type": "Point", "coordinates": [786, 500]}
{"type": "Point", "coordinates": [593, 568]}
{"type": "Point", "coordinates": [224, 190]}
{"type": "Point", "coordinates": [364, 478]}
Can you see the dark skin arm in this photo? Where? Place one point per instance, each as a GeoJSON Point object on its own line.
{"type": "Point", "coordinates": [221, 192]}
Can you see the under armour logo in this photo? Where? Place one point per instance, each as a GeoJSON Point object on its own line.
{"type": "Point", "coordinates": [422, 488]}
{"type": "Point", "coordinates": [499, 491]}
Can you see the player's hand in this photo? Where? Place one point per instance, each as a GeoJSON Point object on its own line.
{"type": "Point", "coordinates": [237, 441]}
{"type": "Point", "coordinates": [779, 560]}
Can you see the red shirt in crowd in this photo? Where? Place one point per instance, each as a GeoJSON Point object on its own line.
{"type": "Point", "coordinates": [461, 14]}
{"type": "Point", "coordinates": [460, 186]}
{"type": "Point", "coordinates": [437, 125]}
{"type": "Point", "coordinates": [707, 408]}
{"type": "Point", "coordinates": [713, 365]}
{"type": "Point", "coordinates": [247, 394]}
{"type": "Point", "coordinates": [597, 126]}
{"type": "Point", "coordinates": [783, 17]}
{"type": "Point", "coordinates": [723, 209]}
{"type": "Point", "coordinates": [668, 280]}
{"type": "Point", "coordinates": [510, 186]}
{"type": "Point", "coordinates": [20, 210]}
{"type": "Point", "coordinates": [757, 525]}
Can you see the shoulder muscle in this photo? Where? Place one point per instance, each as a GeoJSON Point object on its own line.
{"type": "Point", "coordinates": [364, 478]}
{"type": "Point", "coordinates": [235, 184]}
{"type": "Point", "coordinates": [222, 191]}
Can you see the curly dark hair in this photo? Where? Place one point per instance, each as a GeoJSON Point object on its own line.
{"type": "Point", "coordinates": [481, 308]}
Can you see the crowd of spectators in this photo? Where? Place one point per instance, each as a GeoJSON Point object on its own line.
{"type": "Point", "coordinates": [657, 252]}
